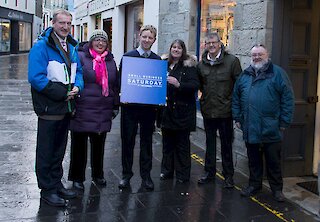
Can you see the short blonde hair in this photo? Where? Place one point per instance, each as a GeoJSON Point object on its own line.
{"type": "Point", "coordinates": [150, 28]}
{"type": "Point", "coordinates": [60, 11]}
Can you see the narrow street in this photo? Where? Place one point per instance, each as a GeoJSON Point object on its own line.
{"type": "Point", "coordinates": [20, 197]}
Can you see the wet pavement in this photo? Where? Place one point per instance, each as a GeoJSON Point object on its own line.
{"type": "Point", "coordinates": [20, 198]}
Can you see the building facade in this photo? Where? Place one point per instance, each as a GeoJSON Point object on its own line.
{"type": "Point", "coordinates": [48, 8]}
{"type": "Point", "coordinates": [288, 28]}
{"type": "Point", "coordinates": [16, 22]}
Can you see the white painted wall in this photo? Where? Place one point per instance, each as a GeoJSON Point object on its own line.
{"type": "Point", "coordinates": [151, 17]}
{"type": "Point", "coordinates": [37, 27]}
{"type": "Point", "coordinates": [22, 7]}
{"type": "Point", "coordinates": [118, 26]}
{"type": "Point", "coordinates": [316, 155]}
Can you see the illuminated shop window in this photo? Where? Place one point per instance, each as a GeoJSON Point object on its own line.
{"type": "Point", "coordinates": [5, 35]}
{"type": "Point", "coordinates": [216, 16]}
{"type": "Point", "coordinates": [24, 36]}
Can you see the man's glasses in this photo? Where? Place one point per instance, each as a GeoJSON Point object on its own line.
{"type": "Point", "coordinates": [212, 43]}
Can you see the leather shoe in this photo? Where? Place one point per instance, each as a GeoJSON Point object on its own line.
{"type": "Point", "coordinates": [53, 200]}
{"type": "Point", "coordinates": [228, 182]}
{"type": "Point", "coordinates": [249, 191]}
{"type": "Point", "coordinates": [206, 178]}
{"type": "Point", "coordinates": [66, 194]}
{"type": "Point", "coordinates": [147, 184]}
{"type": "Point", "coordinates": [165, 176]}
{"type": "Point", "coordinates": [278, 196]}
{"type": "Point", "coordinates": [78, 185]}
{"type": "Point", "coordinates": [100, 181]}
{"type": "Point", "coordinates": [124, 183]}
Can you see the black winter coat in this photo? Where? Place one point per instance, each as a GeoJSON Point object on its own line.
{"type": "Point", "coordinates": [180, 111]}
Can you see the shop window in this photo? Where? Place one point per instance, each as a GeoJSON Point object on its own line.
{"type": "Point", "coordinates": [216, 16]}
{"type": "Point", "coordinates": [4, 35]}
{"type": "Point", "coordinates": [134, 22]}
{"type": "Point", "coordinates": [85, 32]}
{"type": "Point", "coordinates": [24, 36]}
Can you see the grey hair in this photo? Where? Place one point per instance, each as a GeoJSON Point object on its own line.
{"type": "Point", "coordinates": [213, 35]}
{"type": "Point", "coordinates": [60, 11]}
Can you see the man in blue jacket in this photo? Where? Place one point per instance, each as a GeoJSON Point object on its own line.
{"type": "Point", "coordinates": [262, 106]}
{"type": "Point", "coordinates": [55, 76]}
{"type": "Point", "coordinates": [133, 115]}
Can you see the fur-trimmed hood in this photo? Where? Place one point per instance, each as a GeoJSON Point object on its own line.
{"type": "Point", "coordinates": [189, 62]}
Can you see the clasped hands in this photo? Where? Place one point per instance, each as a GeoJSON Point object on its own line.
{"type": "Point", "coordinates": [72, 93]}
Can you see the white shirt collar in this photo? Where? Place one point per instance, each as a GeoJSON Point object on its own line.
{"type": "Point", "coordinates": [60, 39]}
{"type": "Point", "coordinates": [141, 51]}
{"type": "Point", "coordinates": [217, 56]}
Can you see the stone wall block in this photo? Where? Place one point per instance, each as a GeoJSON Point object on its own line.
{"type": "Point", "coordinates": [238, 16]}
{"type": "Point", "coordinates": [254, 16]}
{"type": "Point", "coordinates": [265, 38]}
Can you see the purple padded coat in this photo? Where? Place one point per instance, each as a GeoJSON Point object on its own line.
{"type": "Point", "coordinates": [93, 110]}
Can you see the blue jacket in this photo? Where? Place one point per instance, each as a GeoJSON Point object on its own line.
{"type": "Point", "coordinates": [50, 75]}
{"type": "Point", "coordinates": [263, 104]}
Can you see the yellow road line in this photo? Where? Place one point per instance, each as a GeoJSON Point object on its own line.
{"type": "Point", "coordinates": [265, 206]}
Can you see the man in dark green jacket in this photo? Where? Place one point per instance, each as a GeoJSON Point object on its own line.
{"type": "Point", "coordinates": [262, 107]}
{"type": "Point", "coordinates": [218, 71]}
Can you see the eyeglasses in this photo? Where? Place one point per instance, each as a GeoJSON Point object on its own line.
{"type": "Point", "coordinates": [103, 41]}
{"type": "Point", "coordinates": [212, 43]}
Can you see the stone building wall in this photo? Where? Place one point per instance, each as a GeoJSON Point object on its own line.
{"type": "Point", "coordinates": [177, 19]}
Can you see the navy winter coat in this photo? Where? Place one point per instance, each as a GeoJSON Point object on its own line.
{"type": "Point", "coordinates": [263, 104]}
{"type": "Point", "coordinates": [93, 110]}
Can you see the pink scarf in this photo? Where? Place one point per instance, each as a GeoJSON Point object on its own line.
{"type": "Point", "coordinates": [99, 65]}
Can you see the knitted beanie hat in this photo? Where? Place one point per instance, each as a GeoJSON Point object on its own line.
{"type": "Point", "coordinates": [98, 33]}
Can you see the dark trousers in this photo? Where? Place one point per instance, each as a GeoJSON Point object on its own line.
{"type": "Point", "coordinates": [78, 162]}
{"type": "Point", "coordinates": [225, 127]}
{"type": "Point", "coordinates": [131, 117]}
{"type": "Point", "coordinates": [51, 145]}
{"type": "Point", "coordinates": [272, 154]}
{"type": "Point", "coordinates": [176, 153]}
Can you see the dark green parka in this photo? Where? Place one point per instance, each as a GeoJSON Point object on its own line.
{"type": "Point", "coordinates": [216, 84]}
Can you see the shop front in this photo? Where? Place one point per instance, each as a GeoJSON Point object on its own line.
{"type": "Point", "coordinates": [15, 31]}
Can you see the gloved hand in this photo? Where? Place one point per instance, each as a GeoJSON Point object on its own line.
{"type": "Point", "coordinates": [115, 112]}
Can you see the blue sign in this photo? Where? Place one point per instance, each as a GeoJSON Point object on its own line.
{"type": "Point", "coordinates": [143, 81]}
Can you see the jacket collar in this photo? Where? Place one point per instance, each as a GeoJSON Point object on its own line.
{"type": "Point", "coordinates": [265, 72]}
{"type": "Point", "coordinates": [218, 60]}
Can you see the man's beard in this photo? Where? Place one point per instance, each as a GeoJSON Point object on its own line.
{"type": "Point", "coordinates": [258, 65]}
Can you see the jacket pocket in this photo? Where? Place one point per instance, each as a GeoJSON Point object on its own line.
{"type": "Point", "coordinates": [270, 128]}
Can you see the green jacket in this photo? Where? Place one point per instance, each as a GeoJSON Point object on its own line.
{"type": "Point", "coordinates": [216, 84]}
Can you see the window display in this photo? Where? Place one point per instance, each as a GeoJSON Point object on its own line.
{"type": "Point", "coordinates": [4, 35]}
{"type": "Point", "coordinates": [24, 36]}
{"type": "Point", "coordinates": [216, 16]}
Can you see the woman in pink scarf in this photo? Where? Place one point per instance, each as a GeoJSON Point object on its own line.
{"type": "Point", "coordinates": [96, 106]}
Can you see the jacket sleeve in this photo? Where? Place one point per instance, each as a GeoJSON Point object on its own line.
{"type": "Point", "coordinates": [287, 100]}
{"type": "Point", "coordinates": [79, 76]}
{"type": "Point", "coordinates": [117, 89]}
{"type": "Point", "coordinates": [236, 104]}
{"type": "Point", "coordinates": [236, 69]}
{"type": "Point", "coordinates": [199, 77]}
{"type": "Point", "coordinates": [37, 74]}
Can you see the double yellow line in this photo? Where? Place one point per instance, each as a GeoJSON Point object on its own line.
{"type": "Point", "coordinates": [278, 214]}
